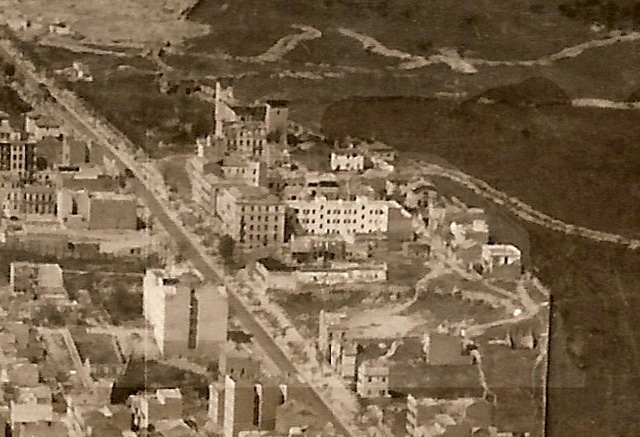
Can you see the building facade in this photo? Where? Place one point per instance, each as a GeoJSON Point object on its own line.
{"type": "Point", "coordinates": [251, 216]}
{"type": "Point", "coordinates": [18, 157]}
{"type": "Point", "coordinates": [359, 216]}
{"type": "Point", "coordinates": [373, 379]}
{"type": "Point", "coordinates": [348, 160]}
{"type": "Point", "coordinates": [186, 315]}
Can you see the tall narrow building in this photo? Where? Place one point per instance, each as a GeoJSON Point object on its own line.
{"type": "Point", "coordinates": [187, 315]}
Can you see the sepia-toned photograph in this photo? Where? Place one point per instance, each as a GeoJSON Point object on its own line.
{"type": "Point", "coordinates": [319, 218]}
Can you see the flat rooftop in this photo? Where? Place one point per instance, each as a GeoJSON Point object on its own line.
{"type": "Point", "coordinates": [253, 194]}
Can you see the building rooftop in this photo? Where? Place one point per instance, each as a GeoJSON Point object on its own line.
{"type": "Point", "coordinates": [40, 394]}
{"type": "Point", "coordinates": [234, 161]}
{"type": "Point", "coordinates": [275, 103]}
{"type": "Point", "coordinates": [250, 113]}
{"type": "Point", "coordinates": [501, 250]}
{"type": "Point", "coordinates": [107, 195]}
{"type": "Point", "coordinates": [248, 193]}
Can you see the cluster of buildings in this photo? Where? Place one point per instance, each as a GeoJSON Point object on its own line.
{"type": "Point", "coordinates": [58, 192]}
{"type": "Point", "coordinates": [242, 178]}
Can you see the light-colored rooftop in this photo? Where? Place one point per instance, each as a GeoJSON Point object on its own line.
{"type": "Point", "coordinates": [253, 194]}
{"type": "Point", "coordinates": [501, 250]}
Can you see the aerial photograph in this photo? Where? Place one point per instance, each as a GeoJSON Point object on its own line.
{"type": "Point", "coordinates": [319, 218]}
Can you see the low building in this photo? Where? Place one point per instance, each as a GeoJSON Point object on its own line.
{"type": "Point", "coordinates": [460, 417]}
{"type": "Point", "coordinates": [39, 126]}
{"type": "Point", "coordinates": [373, 379]}
{"type": "Point", "coordinates": [251, 216]}
{"type": "Point", "coordinates": [32, 405]}
{"type": "Point", "coordinates": [275, 275]}
{"type": "Point", "coordinates": [501, 261]}
{"type": "Point", "coordinates": [97, 211]}
{"type": "Point", "coordinates": [24, 374]}
{"type": "Point", "coordinates": [187, 315]}
{"type": "Point", "coordinates": [347, 160]}
{"type": "Point", "coordinates": [148, 409]}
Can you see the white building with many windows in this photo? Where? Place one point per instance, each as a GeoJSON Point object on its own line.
{"type": "Point", "coordinates": [347, 160]}
{"type": "Point", "coordinates": [359, 216]}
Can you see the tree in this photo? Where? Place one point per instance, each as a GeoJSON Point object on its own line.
{"type": "Point", "coordinates": [226, 248]}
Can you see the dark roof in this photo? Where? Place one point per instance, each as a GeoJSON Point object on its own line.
{"type": "Point", "coordinates": [273, 264]}
{"type": "Point", "coordinates": [250, 113]}
{"type": "Point", "coordinates": [278, 103]}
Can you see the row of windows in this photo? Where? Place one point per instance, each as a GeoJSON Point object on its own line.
{"type": "Point", "coordinates": [265, 218]}
{"type": "Point", "coordinates": [339, 211]}
{"type": "Point", "coordinates": [261, 237]}
{"type": "Point", "coordinates": [260, 208]}
{"type": "Point", "coordinates": [265, 227]}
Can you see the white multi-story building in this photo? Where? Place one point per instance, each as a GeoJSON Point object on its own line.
{"type": "Point", "coordinates": [251, 216]}
{"type": "Point", "coordinates": [247, 171]}
{"type": "Point", "coordinates": [359, 216]}
{"type": "Point", "coordinates": [348, 160]}
{"type": "Point", "coordinates": [185, 313]}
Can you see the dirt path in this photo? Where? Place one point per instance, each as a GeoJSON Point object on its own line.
{"type": "Point", "coordinates": [286, 44]}
{"type": "Point", "coordinates": [464, 65]}
{"type": "Point", "coordinates": [523, 210]}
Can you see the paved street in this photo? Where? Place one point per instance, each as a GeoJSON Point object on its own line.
{"type": "Point", "coordinates": [88, 129]}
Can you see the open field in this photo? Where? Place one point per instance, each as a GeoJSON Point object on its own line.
{"type": "Point", "coordinates": [115, 22]}
{"type": "Point", "coordinates": [561, 160]}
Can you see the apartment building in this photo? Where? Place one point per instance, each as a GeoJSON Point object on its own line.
{"type": "Point", "coordinates": [251, 405]}
{"type": "Point", "coordinates": [251, 216]}
{"type": "Point", "coordinates": [246, 171]}
{"type": "Point", "coordinates": [186, 314]}
{"type": "Point", "coordinates": [18, 157]}
{"type": "Point", "coordinates": [373, 379]}
{"type": "Point", "coordinates": [24, 200]}
{"type": "Point", "coordinates": [258, 131]}
{"type": "Point", "coordinates": [323, 216]}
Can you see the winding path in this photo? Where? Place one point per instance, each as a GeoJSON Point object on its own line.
{"type": "Point", "coordinates": [525, 211]}
{"type": "Point", "coordinates": [461, 64]}
{"type": "Point", "coordinates": [287, 44]}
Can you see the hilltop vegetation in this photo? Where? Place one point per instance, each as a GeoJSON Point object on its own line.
{"type": "Point", "coordinates": [581, 165]}
{"type": "Point", "coordinates": [516, 27]}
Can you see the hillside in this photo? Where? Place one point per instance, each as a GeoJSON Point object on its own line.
{"type": "Point", "coordinates": [581, 165]}
{"type": "Point", "coordinates": [491, 27]}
